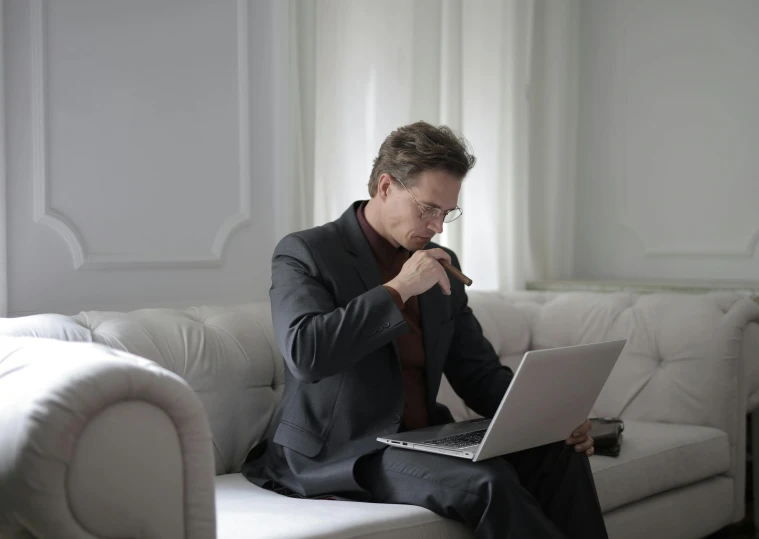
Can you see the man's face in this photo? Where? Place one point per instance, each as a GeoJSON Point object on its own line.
{"type": "Point", "coordinates": [432, 189]}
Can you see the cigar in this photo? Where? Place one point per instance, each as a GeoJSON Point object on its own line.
{"type": "Point", "coordinates": [456, 273]}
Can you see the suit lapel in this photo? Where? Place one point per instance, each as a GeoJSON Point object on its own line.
{"type": "Point", "coordinates": [365, 263]}
{"type": "Point", "coordinates": [357, 244]}
{"type": "Point", "coordinates": [368, 271]}
{"type": "Point", "coordinates": [434, 308]}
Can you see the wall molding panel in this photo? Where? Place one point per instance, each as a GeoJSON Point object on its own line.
{"type": "Point", "coordinates": [704, 252]}
{"type": "Point", "coordinates": [45, 215]}
{"type": "Point", "coordinates": [667, 123]}
{"type": "Point", "coordinates": [623, 121]}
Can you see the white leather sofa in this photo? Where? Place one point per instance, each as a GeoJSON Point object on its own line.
{"type": "Point", "coordinates": [98, 442]}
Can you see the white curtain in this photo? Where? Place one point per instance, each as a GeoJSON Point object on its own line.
{"type": "Point", "coordinates": [500, 72]}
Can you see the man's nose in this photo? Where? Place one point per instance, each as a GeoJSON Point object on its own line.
{"type": "Point", "coordinates": [436, 224]}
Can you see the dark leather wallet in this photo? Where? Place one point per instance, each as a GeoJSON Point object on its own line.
{"type": "Point", "coordinates": [607, 435]}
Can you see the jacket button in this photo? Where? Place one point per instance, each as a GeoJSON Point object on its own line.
{"type": "Point", "coordinates": [387, 324]}
{"type": "Point", "coordinates": [396, 418]}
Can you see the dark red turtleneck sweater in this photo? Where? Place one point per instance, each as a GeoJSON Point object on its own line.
{"type": "Point", "coordinates": [410, 345]}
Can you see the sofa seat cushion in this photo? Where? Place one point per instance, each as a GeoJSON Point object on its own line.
{"type": "Point", "coordinates": [657, 457]}
{"type": "Point", "coordinates": [244, 510]}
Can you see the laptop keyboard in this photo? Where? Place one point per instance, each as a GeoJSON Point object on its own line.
{"type": "Point", "coordinates": [458, 441]}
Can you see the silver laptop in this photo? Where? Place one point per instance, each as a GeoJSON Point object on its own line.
{"type": "Point", "coordinates": [551, 394]}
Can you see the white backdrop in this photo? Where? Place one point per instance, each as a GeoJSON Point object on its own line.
{"type": "Point", "coordinates": [669, 132]}
{"type": "Point", "coordinates": [140, 142]}
{"type": "Point", "coordinates": [3, 205]}
{"type": "Point", "coordinates": [157, 151]}
{"type": "Point", "coordinates": [132, 124]}
{"type": "Point", "coordinates": [502, 73]}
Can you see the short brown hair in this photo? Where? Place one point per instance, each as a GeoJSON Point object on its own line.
{"type": "Point", "coordinates": [414, 148]}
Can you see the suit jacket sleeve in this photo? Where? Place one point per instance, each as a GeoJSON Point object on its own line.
{"type": "Point", "coordinates": [472, 366]}
{"type": "Point", "coordinates": [316, 336]}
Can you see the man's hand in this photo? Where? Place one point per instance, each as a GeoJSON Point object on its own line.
{"type": "Point", "coordinates": [581, 440]}
{"type": "Point", "coordinates": [420, 273]}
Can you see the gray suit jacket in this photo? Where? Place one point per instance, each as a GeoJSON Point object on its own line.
{"type": "Point", "coordinates": [337, 328]}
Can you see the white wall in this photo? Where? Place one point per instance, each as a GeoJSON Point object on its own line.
{"type": "Point", "coordinates": [140, 144]}
{"type": "Point", "coordinates": [147, 147]}
{"type": "Point", "coordinates": [3, 221]}
{"type": "Point", "coordinates": [668, 182]}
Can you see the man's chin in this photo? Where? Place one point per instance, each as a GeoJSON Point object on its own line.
{"type": "Point", "coordinates": [415, 243]}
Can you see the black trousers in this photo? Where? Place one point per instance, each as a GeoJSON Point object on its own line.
{"type": "Point", "coordinates": [545, 492]}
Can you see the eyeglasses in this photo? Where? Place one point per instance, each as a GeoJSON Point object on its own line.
{"type": "Point", "coordinates": [428, 214]}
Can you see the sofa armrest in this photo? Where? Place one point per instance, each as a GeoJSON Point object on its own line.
{"type": "Point", "coordinates": [100, 443]}
{"type": "Point", "coordinates": [750, 351]}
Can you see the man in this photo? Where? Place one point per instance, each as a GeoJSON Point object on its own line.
{"type": "Point", "coordinates": [368, 320]}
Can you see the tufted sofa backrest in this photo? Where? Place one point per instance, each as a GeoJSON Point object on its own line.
{"type": "Point", "coordinates": [681, 362]}
{"type": "Point", "coordinates": [228, 355]}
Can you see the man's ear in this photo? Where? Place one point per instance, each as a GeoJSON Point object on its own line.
{"type": "Point", "coordinates": [383, 185]}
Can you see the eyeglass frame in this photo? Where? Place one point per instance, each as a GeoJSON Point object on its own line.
{"type": "Point", "coordinates": [425, 208]}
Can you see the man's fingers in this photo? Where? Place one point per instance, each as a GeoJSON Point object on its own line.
{"type": "Point", "coordinates": [581, 440]}
{"type": "Point", "coordinates": [584, 428]}
{"type": "Point", "coordinates": [574, 440]}
{"type": "Point", "coordinates": [438, 253]}
{"type": "Point", "coordinates": [581, 431]}
{"type": "Point", "coordinates": [584, 446]}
